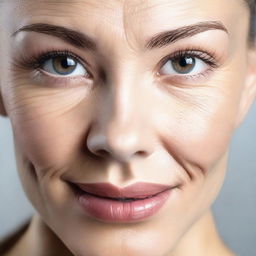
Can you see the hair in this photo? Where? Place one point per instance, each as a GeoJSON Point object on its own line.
{"type": "Point", "coordinates": [252, 32]}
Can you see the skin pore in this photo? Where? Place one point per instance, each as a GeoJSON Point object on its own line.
{"type": "Point", "coordinates": [125, 116]}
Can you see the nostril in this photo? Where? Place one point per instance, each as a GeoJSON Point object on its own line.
{"type": "Point", "coordinates": [142, 153]}
{"type": "Point", "coordinates": [104, 153]}
{"type": "Point", "coordinates": [101, 152]}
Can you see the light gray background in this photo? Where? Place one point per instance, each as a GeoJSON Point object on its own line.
{"type": "Point", "coordinates": [234, 209]}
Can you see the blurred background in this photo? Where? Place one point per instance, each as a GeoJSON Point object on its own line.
{"type": "Point", "coordinates": [234, 209]}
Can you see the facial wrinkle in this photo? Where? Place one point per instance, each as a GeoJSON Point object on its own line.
{"type": "Point", "coordinates": [142, 16]}
{"type": "Point", "coordinates": [54, 11]}
{"type": "Point", "coordinates": [127, 10]}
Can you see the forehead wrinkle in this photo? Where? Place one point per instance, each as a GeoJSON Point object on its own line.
{"type": "Point", "coordinates": [135, 16]}
{"type": "Point", "coordinates": [145, 7]}
{"type": "Point", "coordinates": [150, 17]}
{"type": "Point", "coordinates": [61, 8]}
{"type": "Point", "coordinates": [138, 14]}
{"type": "Point", "coordinates": [99, 15]}
{"type": "Point", "coordinates": [74, 13]}
{"type": "Point", "coordinates": [126, 25]}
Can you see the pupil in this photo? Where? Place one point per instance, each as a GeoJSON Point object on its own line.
{"type": "Point", "coordinates": [184, 65]}
{"type": "Point", "coordinates": [186, 61]}
{"type": "Point", "coordinates": [64, 65]}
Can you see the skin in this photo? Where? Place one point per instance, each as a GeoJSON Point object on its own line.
{"type": "Point", "coordinates": [91, 130]}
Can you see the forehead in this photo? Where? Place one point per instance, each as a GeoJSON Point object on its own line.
{"type": "Point", "coordinates": [134, 21]}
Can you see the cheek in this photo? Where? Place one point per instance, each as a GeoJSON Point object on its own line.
{"type": "Point", "coordinates": [48, 126]}
{"type": "Point", "coordinates": [197, 135]}
{"type": "Point", "coordinates": [205, 142]}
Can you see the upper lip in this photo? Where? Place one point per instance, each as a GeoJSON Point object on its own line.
{"type": "Point", "coordinates": [136, 190]}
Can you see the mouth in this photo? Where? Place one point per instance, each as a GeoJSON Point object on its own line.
{"type": "Point", "coordinates": [108, 203]}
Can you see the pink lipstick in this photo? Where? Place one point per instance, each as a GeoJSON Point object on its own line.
{"type": "Point", "coordinates": [136, 202]}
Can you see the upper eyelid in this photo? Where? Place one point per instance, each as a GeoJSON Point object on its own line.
{"type": "Point", "coordinates": [53, 54]}
{"type": "Point", "coordinates": [36, 61]}
{"type": "Point", "coordinates": [209, 59]}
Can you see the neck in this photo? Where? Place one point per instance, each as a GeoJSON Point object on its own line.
{"type": "Point", "coordinates": [201, 239]}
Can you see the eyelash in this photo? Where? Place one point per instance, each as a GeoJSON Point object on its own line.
{"type": "Point", "coordinates": [198, 53]}
{"type": "Point", "coordinates": [208, 57]}
{"type": "Point", "coordinates": [35, 62]}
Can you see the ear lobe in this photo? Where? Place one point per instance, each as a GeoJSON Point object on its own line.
{"type": "Point", "coordinates": [249, 90]}
{"type": "Point", "coordinates": [2, 108]}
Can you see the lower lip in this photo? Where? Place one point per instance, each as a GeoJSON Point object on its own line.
{"type": "Point", "coordinates": [118, 211]}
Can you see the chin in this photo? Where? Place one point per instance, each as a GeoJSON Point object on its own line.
{"type": "Point", "coordinates": [125, 244]}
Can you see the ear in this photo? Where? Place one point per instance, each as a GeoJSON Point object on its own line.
{"type": "Point", "coordinates": [249, 87]}
{"type": "Point", "coordinates": [2, 108]}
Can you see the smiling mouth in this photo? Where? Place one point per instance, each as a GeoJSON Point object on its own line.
{"type": "Point", "coordinates": [107, 202]}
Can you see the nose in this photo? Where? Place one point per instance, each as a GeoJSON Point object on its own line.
{"type": "Point", "coordinates": [121, 130]}
{"type": "Point", "coordinates": [118, 142]}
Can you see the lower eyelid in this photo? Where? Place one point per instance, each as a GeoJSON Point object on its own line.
{"type": "Point", "coordinates": [44, 78]}
{"type": "Point", "coordinates": [186, 79]}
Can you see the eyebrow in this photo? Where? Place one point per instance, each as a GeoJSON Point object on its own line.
{"type": "Point", "coordinates": [68, 35]}
{"type": "Point", "coordinates": [168, 37]}
{"type": "Point", "coordinates": [162, 39]}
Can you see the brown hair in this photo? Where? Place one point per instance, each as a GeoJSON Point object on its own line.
{"type": "Point", "coordinates": [252, 32]}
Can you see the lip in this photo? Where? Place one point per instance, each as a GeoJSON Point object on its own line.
{"type": "Point", "coordinates": [133, 203]}
{"type": "Point", "coordinates": [136, 190]}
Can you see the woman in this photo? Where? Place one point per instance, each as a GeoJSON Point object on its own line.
{"type": "Point", "coordinates": [122, 113]}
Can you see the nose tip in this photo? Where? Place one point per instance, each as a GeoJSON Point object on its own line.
{"type": "Point", "coordinates": [121, 145]}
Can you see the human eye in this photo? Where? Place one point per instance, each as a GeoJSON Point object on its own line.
{"type": "Point", "coordinates": [63, 66]}
{"type": "Point", "coordinates": [185, 65]}
{"type": "Point", "coordinates": [57, 68]}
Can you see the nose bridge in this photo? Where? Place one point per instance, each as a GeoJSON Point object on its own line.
{"type": "Point", "coordinates": [121, 129]}
{"type": "Point", "coordinates": [124, 92]}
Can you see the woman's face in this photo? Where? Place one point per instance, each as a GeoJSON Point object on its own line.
{"type": "Point", "coordinates": [117, 110]}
